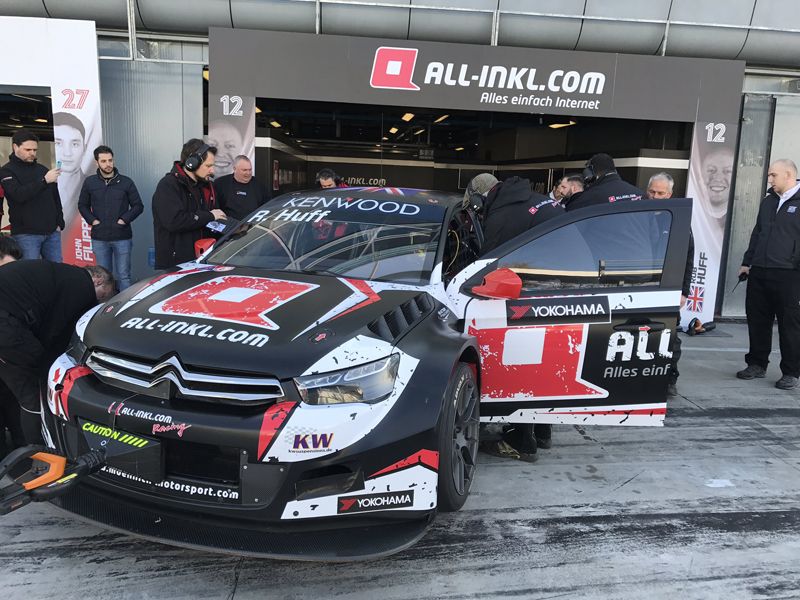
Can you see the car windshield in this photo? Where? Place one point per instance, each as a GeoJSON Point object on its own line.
{"type": "Point", "coordinates": [368, 237]}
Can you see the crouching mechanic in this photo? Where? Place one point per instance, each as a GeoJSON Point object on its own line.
{"type": "Point", "coordinates": [510, 208]}
{"type": "Point", "coordinates": [40, 303]}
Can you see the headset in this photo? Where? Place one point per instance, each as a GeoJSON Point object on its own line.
{"type": "Point", "coordinates": [588, 173]}
{"type": "Point", "coordinates": [196, 158]}
{"type": "Point", "coordinates": [475, 201]}
{"type": "Point", "coordinates": [327, 173]}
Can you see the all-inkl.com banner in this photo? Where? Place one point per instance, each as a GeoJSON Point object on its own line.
{"type": "Point", "coordinates": [709, 183]}
{"type": "Point", "coordinates": [61, 55]}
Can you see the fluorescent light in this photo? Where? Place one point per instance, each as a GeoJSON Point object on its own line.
{"type": "Point", "coordinates": [407, 117]}
{"type": "Point", "coordinates": [384, 138]}
{"type": "Point", "coordinates": [418, 131]}
{"type": "Point", "coordinates": [560, 125]}
{"type": "Point", "coordinates": [258, 110]}
{"type": "Point", "coordinates": [377, 145]}
{"type": "Point", "coordinates": [41, 120]}
{"type": "Point", "coordinates": [459, 149]}
{"type": "Point", "coordinates": [299, 141]}
{"type": "Point", "coordinates": [38, 100]}
{"type": "Point", "coordinates": [393, 130]}
{"type": "Point", "coordinates": [275, 124]}
{"type": "Point", "coordinates": [440, 119]}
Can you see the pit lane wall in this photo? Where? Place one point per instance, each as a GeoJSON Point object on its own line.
{"type": "Point", "coordinates": [706, 92]}
{"type": "Point", "coordinates": [61, 56]}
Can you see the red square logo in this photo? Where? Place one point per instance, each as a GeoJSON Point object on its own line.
{"type": "Point", "coordinates": [393, 68]}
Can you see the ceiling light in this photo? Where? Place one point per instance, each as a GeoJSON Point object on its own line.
{"type": "Point", "coordinates": [17, 126]}
{"type": "Point", "coordinates": [38, 100]}
{"type": "Point", "coordinates": [418, 131]}
{"type": "Point", "coordinates": [407, 117]}
{"type": "Point", "coordinates": [258, 110]}
{"type": "Point", "coordinates": [440, 119]}
{"type": "Point", "coordinates": [393, 130]}
{"type": "Point", "coordinates": [299, 141]}
{"type": "Point", "coordinates": [560, 125]}
{"type": "Point", "coordinates": [459, 149]}
{"type": "Point", "coordinates": [275, 124]}
{"type": "Point", "coordinates": [377, 145]}
{"type": "Point", "coordinates": [41, 120]}
{"type": "Point", "coordinates": [384, 138]}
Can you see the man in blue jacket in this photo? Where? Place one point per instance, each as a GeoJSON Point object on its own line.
{"type": "Point", "coordinates": [108, 203]}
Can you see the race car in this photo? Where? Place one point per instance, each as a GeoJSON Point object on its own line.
{"type": "Point", "coordinates": [312, 386]}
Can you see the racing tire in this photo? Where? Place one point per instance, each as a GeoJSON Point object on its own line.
{"type": "Point", "coordinates": [459, 426]}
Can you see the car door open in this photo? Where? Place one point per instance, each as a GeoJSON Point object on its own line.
{"type": "Point", "coordinates": [575, 319]}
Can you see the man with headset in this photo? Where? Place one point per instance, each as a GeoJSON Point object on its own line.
{"type": "Point", "coordinates": [183, 204]}
{"type": "Point", "coordinates": [603, 184]}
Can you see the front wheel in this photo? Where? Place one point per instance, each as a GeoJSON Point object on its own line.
{"type": "Point", "coordinates": [458, 438]}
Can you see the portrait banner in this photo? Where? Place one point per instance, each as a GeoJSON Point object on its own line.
{"type": "Point", "coordinates": [63, 59]}
{"type": "Point", "coordinates": [709, 184]}
{"type": "Point", "coordinates": [231, 129]}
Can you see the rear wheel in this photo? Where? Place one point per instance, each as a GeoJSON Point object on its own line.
{"type": "Point", "coordinates": [458, 438]}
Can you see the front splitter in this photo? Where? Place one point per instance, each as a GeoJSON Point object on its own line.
{"type": "Point", "coordinates": [340, 544]}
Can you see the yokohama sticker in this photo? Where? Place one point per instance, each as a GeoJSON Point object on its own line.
{"type": "Point", "coordinates": [371, 502]}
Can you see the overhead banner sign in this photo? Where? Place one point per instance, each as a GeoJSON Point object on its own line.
{"type": "Point", "coordinates": [61, 55]}
{"type": "Point", "coordinates": [706, 92]}
{"type": "Point", "coordinates": [472, 77]}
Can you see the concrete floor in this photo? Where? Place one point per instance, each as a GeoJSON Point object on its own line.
{"type": "Point", "coordinates": [707, 507]}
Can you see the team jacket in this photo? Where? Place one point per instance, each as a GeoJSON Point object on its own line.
{"type": "Point", "coordinates": [239, 199]}
{"type": "Point", "coordinates": [609, 188]}
{"type": "Point", "coordinates": [775, 241]}
{"type": "Point", "coordinates": [181, 210]}
{"type": "Point", "coordinates": [511, 208]}
{"type": "Point", "coordinates": [109, 200]}
{"type": "Point", "coordinates": [34, 206]}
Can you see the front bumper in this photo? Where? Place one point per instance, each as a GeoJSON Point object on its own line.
{"type": "Point", "coordinates": [211, 483]}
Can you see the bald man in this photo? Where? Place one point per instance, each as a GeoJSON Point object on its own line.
{"type": "Point", "coordinates": [772, 264]}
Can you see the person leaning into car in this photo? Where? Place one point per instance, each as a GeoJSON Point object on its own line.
{"type": "Point", "coordinates": [40, 303]}
{"type": "Point", "coordinates": [510, 208]}
{"type": "Point", "coordinates": [109, 202]}
{"type": "Point", "coordinates": [183, 204]}
{"type": "Point", "coordinates": [772, 266]}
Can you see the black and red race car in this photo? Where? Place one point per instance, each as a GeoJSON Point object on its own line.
{"type": "Point", "coordinates": [312, 386]}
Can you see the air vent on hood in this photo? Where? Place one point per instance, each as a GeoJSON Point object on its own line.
{"type": "Point", "coordinates": [402, 318]}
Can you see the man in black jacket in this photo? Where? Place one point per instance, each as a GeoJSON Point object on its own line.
{"type": "Point", "coordinates": [240, 193]}
{"type": "Point", "coordinates": [109, 202]}
{"type": "Point", "coordinates": [660, 187]}
{"type": "Point", "coordinates": [772, 265]}
{"type": "Point", "coordinates": [510, 208]}
{"type": "Point", "coordinates": [34, 205]}
{"type": "Point", "coordinates": [183, 204]}
{"type": "Point", "coordinates": [603, 184]}
{"type": "Point", "coordinates": [40, 302]}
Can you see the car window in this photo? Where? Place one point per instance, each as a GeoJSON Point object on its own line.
{"type": "Point", "coordinates": [462, 245]}
{"type": "Point", "coordinates": [624, 249]}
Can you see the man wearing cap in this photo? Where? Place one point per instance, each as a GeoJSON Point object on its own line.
{"type": "Point", "coordinates": [510, 208]}
{"type": "Point", "coordinates": [603, 184]}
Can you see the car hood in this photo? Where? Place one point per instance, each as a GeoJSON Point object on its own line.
{"type": "Point", "coordinates": [246, 320]}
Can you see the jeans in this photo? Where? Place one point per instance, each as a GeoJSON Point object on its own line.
{"type": "Point", "coordinates": [40, 246]}
{"type": "Point", "coordinates": [120, 252]}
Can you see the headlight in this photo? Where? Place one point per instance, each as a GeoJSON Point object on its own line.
{"type": "Point", "coordinates": [77, 349]}
{"type": "Point", "coordinates": [369, 383]}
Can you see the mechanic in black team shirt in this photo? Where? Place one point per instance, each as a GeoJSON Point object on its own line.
{"type": "Point", "coordinates": [183, 204]}
{"type": "Point", "coordinates": [40, 302]}
{"type": "Point", "coordinates": [510, 208]}
{"type": "Point", "coordinates": [240, 193]}
{"type": "Point", "coordinates": [603, 184]}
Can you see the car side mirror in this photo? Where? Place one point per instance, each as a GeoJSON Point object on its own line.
{"type": "Point", "coordinates": [501, 283]}
{"type": "Point", "coordinates": [201, 245]}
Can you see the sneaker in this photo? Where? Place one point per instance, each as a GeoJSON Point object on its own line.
{"type": "Point", "coordinates": [787, 382]}
{"type": "Point", "coordinates": [672, 390]}
{"type": "Point", "coordinates": [752, 372]}
{"type": "Point", "coordinates": [544, 435]}
{"type": "Point", "coordinates": [504, 450]}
